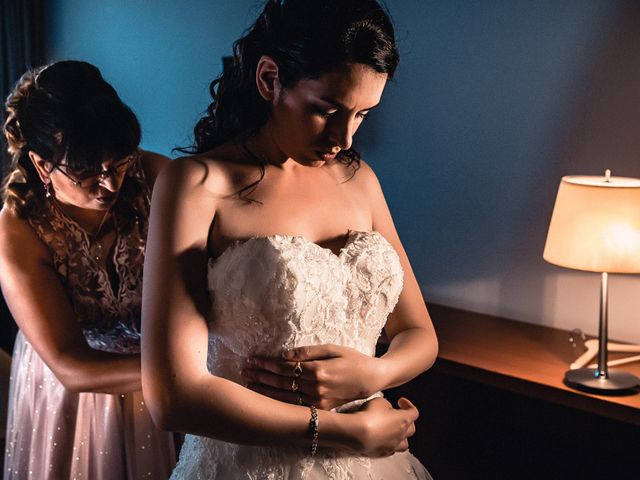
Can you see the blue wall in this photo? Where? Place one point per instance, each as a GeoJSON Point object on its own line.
{"type": "Point", "coordinates": [160, 55]}
{"type": "Point", "coordinates": [493, 102]}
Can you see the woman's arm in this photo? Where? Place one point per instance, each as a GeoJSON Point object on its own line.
{"type": "Point", "coordinates": [332, 374]}
{"type": "Point", "coordinates": [179, 390]}
{"type": "Point", "coordinates": [41, 308]}
{"type": "Point", "coordinates": [152, 164]}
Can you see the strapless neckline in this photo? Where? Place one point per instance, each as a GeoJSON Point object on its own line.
{"type": "Point", "coordinates": [351, 235]}
{"type": "Point", "coordinates": [275, 292]}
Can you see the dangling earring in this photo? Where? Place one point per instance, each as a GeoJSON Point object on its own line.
{"type": "Point", "coordinates": [47, 189]}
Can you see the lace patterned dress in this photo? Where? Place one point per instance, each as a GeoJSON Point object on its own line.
{"type": "Point", "coordinates": [277, 292]}
{"type": "Point", "coordinates": [55, 434]}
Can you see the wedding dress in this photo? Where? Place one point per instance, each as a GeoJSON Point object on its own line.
{"type": "Point", "coordinates": [279, 292]}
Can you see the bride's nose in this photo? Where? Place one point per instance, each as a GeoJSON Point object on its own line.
{"type": "Point", "coordinates": [342, 133]}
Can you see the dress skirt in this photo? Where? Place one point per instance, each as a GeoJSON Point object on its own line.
{"type": "Point", "coordinates": [54, 434]}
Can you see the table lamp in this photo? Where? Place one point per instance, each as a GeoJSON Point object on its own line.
{"type": "Point", "coordinates": [595, 227]}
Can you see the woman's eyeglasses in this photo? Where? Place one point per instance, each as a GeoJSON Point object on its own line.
{"type": "Point", "coordinates": [90, 179]}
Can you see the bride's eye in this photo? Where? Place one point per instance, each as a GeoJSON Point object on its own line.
{"type": "Point", "coordinates": [323, 112]}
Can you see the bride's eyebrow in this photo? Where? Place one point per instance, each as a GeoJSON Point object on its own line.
{"type": "Point", "coordinates": [339, 105]}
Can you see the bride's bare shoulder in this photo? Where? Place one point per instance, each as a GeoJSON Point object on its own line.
{"type": "Point", "coordinates": [360, 177]}
{"type": "Point", "coordinates": [215, 173]}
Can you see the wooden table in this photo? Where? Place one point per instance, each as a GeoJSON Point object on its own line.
{"type": "Point", "coordinates": [523, 358]}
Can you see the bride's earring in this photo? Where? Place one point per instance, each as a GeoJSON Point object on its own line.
{"type": "Point", "coordinates": [47, 189]}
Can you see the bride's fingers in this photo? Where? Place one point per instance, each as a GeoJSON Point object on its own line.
{"type": "Point", "coordinates": [406, 406]}
{"type": "Point", "coordinates": [402, 446]}
{"type": "Point", "coordinates": [282, 367]}
{"type": "Point", "coordinates": [297, 398]}
{"type": "Point", "coordinates": [312, 352]}
{"type": "Point", "coordinates": [405, 403]}
{"type": "Point", "coordinates": [282, 395]}
{"type": "Point", "coordinates": [411, 430]}
{"type": "Point", "coordinates": [269, 379]}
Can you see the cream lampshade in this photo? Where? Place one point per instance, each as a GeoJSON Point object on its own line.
{"type": "Point", "coordinates": [595, 226]}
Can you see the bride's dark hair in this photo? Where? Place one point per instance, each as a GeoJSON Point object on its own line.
{"type": "Point", "coordinates": [306, 38]}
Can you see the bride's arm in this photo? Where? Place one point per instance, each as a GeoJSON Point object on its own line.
{"type": "Point", "coordinates": [413, 345]}
{"type": "Point", "coordinates": [179, 390]}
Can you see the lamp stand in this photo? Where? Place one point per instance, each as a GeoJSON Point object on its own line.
{"type": "Point", "coordinates": [599, 380]}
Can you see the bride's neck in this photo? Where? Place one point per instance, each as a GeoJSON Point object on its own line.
{"type": "Point", "coordinates": [263, 146]}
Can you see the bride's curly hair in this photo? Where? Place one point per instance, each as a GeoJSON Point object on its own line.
{"type": "Point", "coordinates": [64, 111]}
{"type": "Point", "coordinates": [306, 38]}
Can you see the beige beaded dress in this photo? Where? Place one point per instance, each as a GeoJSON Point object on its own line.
{"type": "Point", "coordinates": [53, 433]}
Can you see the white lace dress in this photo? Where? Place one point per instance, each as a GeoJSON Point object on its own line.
{"type": "Point", "coordinates": [278, 292]}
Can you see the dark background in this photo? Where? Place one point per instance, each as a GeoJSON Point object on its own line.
{"type": "Point", "coordinates": [493, 102]}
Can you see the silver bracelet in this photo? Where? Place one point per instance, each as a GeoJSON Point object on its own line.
{"type": "Point", "coordinates": [313, 429]}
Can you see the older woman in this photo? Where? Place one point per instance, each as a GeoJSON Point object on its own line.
{"type": "Point", "coordinates": [72, 241]}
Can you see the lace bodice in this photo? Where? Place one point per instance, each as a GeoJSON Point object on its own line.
{"type": "Point", "coordinates": [110, 319]}
{"type": "Point", "coordinates": [277, 292]}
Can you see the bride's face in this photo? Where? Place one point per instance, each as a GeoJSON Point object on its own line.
{"type": "Point", "coordinates": [316, 118]}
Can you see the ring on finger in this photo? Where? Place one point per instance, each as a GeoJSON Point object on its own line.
{"type": "Point", "coordinates": [294, 385]}
{"type": "Point", "coordinates": [297, 370]}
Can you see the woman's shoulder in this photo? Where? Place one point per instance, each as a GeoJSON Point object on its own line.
{"type": "Point", "coordinates": [152, 164]}
{"type": "Point", "coordinates": [18, 238]}
{"type": "Point", "coordinates": [12, 223]}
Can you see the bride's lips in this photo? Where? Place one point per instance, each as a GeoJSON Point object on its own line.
{"type": "Point", "coordinates": [326, 156]}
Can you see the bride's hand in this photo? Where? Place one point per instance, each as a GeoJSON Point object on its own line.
{"type": "Point", "coordinates": [386, 429]}
{"type": "Point", "coordinates": [331, 375]}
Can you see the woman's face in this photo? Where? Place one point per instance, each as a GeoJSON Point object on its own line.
{"type": "Point", "coordinates": [316, 118]}
{"type": "Point", "coordinates": [92, 190]}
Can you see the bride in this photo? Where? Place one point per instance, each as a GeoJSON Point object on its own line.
{"type": "Point", "coordinates": [273, 264]}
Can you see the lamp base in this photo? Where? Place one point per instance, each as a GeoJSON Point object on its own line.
{"type": "Point", "coordinates": [616, 383]}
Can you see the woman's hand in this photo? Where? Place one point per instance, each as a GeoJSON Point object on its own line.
{"type": "Point", "coordinates": [331, 375]}
{"type": "Point", "coordinates": [386, 429]}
